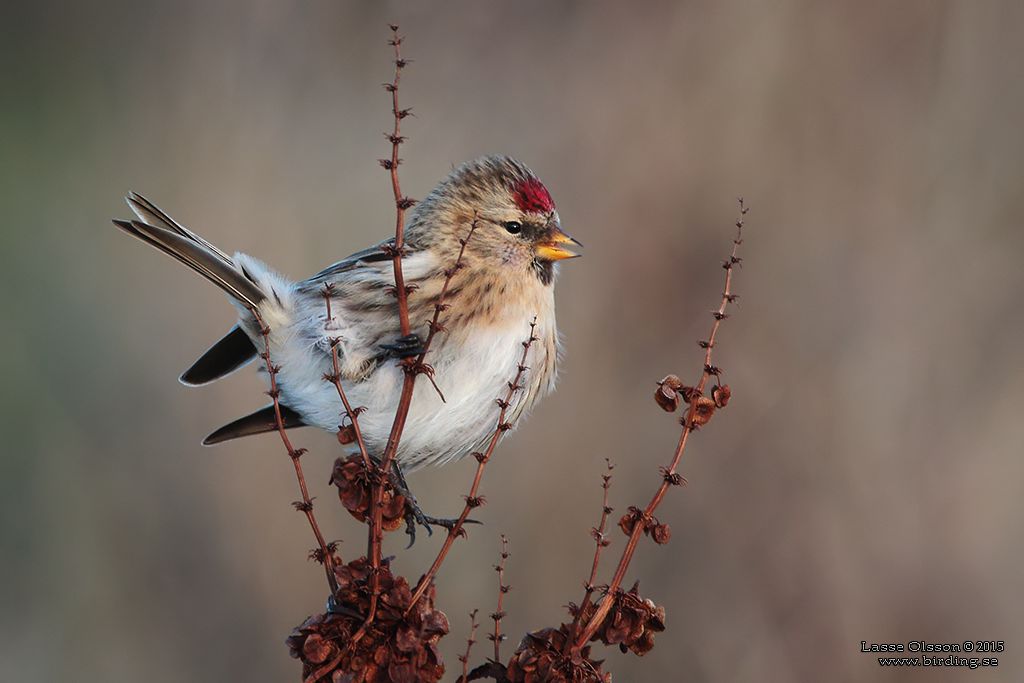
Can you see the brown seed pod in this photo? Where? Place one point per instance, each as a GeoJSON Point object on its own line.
{"type": "Point", "coordinates": [632, 623]}
{"type": "Point", "coordinates": [541, 656]}
{"type": "Point", "coordinates": [353, 482]}
{"type": "Point", "coordinates": [667, 393]}
{"type": "Point", "coordinates": [689, 394]}
{"type": "Point", "coordinates": [402, 645]}
{"type": "Point", "coordinates": [721, 394]}
{"type": "Point", "coordinates": [703, 409]}
{"type": "Point", "coordinates": [630, 519]}
{"type": "Point", "coordinates": [346, 435]}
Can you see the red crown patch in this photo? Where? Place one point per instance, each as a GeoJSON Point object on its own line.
{"type": "Point", "coordinates": [530, 195]}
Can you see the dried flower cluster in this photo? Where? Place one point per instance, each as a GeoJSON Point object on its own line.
{"type": "Point", "coordinates": [631, 623]}
{"type": "Point", "coordinates": [541, 658]}
{"type": "Point", "coordinates": [355, 482]}
{"type": "Point", "coordinates": [660, 533]}
{"type": "Point", "coordinates": [400, 646]}
{"type": "Point", "coordinates": [671, 391]}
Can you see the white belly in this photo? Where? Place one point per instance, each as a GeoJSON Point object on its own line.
{"type": "Point", "coordinates": [471, 372]}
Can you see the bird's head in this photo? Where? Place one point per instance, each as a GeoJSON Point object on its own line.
{"type": "Point", "coordinates": [517, 225]}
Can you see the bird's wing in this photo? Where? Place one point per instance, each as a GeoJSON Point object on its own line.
{"type": "Point", "coordinates": [374, 254]}
{"type": "Point", "coordinates": [362, 310]}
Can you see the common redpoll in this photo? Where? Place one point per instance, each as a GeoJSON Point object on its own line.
{"type": "Point", "coordinates": [506, 281]}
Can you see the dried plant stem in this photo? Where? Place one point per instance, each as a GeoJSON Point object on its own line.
{"type": "Point", "coordinates": [440, 306]}
{"type": "Point", "coordinates": [503, 588]}
{"type": "Point", "coordinates": [326, 551]}
{"type": "Point", "coordinates": [470, 642]}
{"type": "Point", "coordinates": [402, 412]}
{"type": "Point", "coordinates": [413, 367]}
{"type": "Point", "coordinates": [473, 500]}
{"type": "Point", "coordinates": [600, 542]}
{"type": "Point", "coordinates": [670, 477]}
{"type": "Point", "coordinates": [325, 669]}
{"type": "Point", "coordinates": [335, 378]}
{"type": "Point", "coordinates": [376, 533]}
{"type": "Point", "coordinates": [401, 202]}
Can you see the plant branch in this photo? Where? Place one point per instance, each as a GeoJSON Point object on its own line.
{"type": "Point", "coordinates": [401, 292]}
{"type": "Point", "coordinates": [325, 551]}
{"type": "Point", "coordinates": [334, 377]}
{"type": "Point", "coordinates": [690, 422]}
{"type": "Point", "coordinates": [413, 367]}
{"type": "Point", "coordinates": [401, 202]}
{"type": "Point", "coordinates": [499, 613]}
{"type": "Point", "coordinates": [600, 542]}
{"type": "Point", "coordinates": [464, 658]}
{"type": "Point", "coordinates": [473, 500]}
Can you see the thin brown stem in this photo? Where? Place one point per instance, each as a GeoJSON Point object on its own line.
{"type": "Point", "coordinates": [322, 671]}
{"type": "Point", "coordinates": [375, 532]}
{"type": "Point", "coordinates": [470, 642]}
{"type": "Point", "coordinates": [499, 613]}
{"type": "Point", "coordinates": [414, 366]}
{"type": "Point", "coordinates": [325, 550]}
{"type": "Point", "coordinates": [401, 202]}
{"type": "Point", "coordinates": [600, 542]}
{"type": "Point", "coordinates": [335, 378]}
{"type": "Point", "coordinates": [669, 476]}
{"type": "Point", "coordinates": [473, 500]}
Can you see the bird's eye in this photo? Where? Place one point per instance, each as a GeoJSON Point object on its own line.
{"type": "Point", "coordinates": [513, 227]}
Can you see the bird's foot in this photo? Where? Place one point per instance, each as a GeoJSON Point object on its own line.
{"type": "Point", "coordinates": [334, 608]}
{"type": "Point", "coordinates": [415, 516]}
{"type": "Point", "coordinates": [408, 346]}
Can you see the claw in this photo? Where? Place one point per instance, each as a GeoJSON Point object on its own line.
{"type": "Point", "coordinates": [334, 608]}
{"type": "Point", "coordinates": [414, 514]}
{"type": "Point", "coordinates": [405, 347]}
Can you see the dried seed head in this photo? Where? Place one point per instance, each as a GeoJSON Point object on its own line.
{"type": "Point", "coordinates": [355, 482]}
{"type": "Point", "coordinates": [402, 645]}
{"type": "Point", "coordinates": [703, 409]}
{"type": "Point", "coordinates": [667, 393]}
{"type": "Point", "coordinates": [661, 533]}
{"type": "Point", "coordinates": [346, 435]}
{"type": "Point", "coordinates": [541, 656]}
{"type": "Point", "coordinates": [632, 517]}
{"type": "Point", "coordinates": [721, 394]}
{"type": "Point", "coordinates": [689, 394]}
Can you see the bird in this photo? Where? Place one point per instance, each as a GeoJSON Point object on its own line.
{"type": "Point", "coordinates": [505, 281]}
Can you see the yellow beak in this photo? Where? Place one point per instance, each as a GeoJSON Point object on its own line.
{"type": "Point", "coordinates": [550, 249]}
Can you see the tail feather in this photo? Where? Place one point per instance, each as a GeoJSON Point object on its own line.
{"type": "Point", "coordinates": [192, 252]}
{"type": "Point", "coordinates": [162, 232]}
{"type": "Point", "coordinates": [148, 212]}
{"type": "Point", "coordinates": [234, 350]}
{"type": "Point", "coordinates": [262, 421]}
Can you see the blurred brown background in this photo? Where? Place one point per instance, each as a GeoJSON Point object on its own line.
{"type": "Point", "coordinates": [864, 484]}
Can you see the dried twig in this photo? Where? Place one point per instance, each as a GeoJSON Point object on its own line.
{"type": "Point", "coordinates": [470, 642]}
{"type": "Point", "coordinates": [473, 500]}
{"type": "Point", "coordinates": [401, 202]}
{"type": "Point", "coordinates": [325, 551]}
{"type": "Point", "coordinates": [497, 637]}
{"type": "Point", "coordinates": [698, 413]}
{"type": "Point", "coordinates": [413, 366]}
{"type": "Point", "coordinates": [435, 326]}
{"type": "Point", "coordinates": [600, 542]}
{"type": "Point", "coordinates": [334, 377]}
{"type": "Point", "coordinates": [401, 291]}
